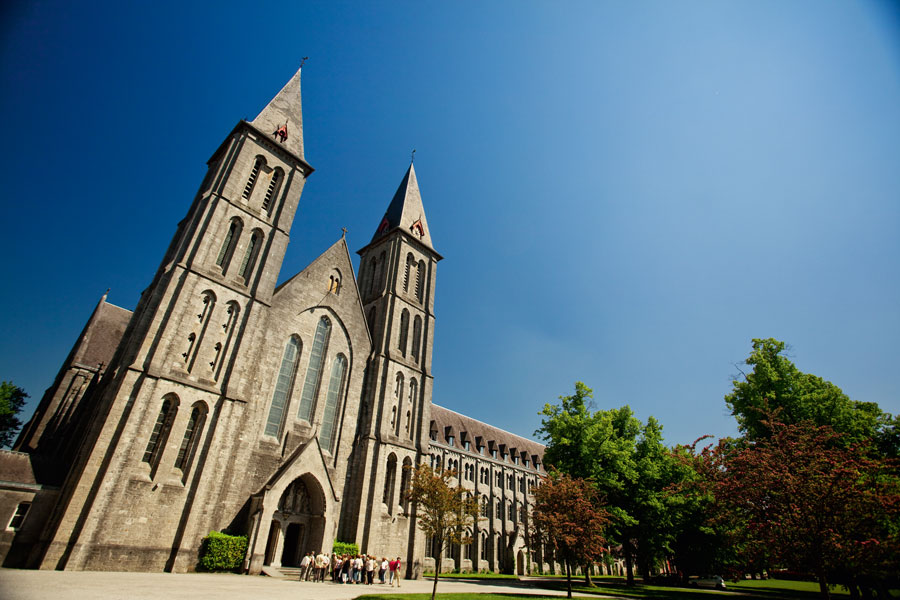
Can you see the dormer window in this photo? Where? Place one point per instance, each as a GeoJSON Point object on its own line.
{"type": "Point", "coordinates": [449, 440]}
{"type": "Point", "coordinates": [467, 445]}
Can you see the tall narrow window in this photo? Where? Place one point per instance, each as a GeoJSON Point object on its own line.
{"type": "Point", "coordinates": [420, 276]}
{"type": "Point", "coordinates": [410, 261]}
{"type": "Point", "coordinates": [160, 433]}
{"type": "Point", "coordinates": [254, 175]}
{"type": "Point", "coordinates": [333, 402]}
{"type": "Point", "coordinates": [250, 255]}
{"type": "Point", "coordinates": [404, 331]}
{"type": "Point", "coordinates": [283, 386]}
{"type": "Point", "coordinates": [272, 190]}
{"type": "Point", "coordinates": [371, 275]}
{"type": "Point", "coordinates": [230, 242]}
{"type": "Point", "coordinates": [405, 478]}
{"type": "Point", "coordinates": [417, 337]}
{"type": "Point", "coordinates": [389, 481]}
{"type": "Point", "coordinates": [410, 413]}
{"type": "Point", "coordinates": [379, 281]}
{"type": "Point", "coordinates": [191, 437]}
{"type": "Point", "coordinates": [314, 371]}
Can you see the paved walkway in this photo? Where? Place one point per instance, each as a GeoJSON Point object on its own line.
{"type": "Point", "coordinates": [101, 585]}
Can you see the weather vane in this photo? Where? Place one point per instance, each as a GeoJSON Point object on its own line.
{"type": "Point", "coordinates": [412, 157]}
{"type": "Point", "coordinates": [303, 60]}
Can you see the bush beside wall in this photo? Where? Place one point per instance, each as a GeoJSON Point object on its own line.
{"type": "Point", "coordinates": [222, 552]}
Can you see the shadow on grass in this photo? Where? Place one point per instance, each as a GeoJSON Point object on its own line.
{"type": "Point", "coordinates": [655, 592]}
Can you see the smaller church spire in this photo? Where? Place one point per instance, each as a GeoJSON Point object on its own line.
{"type": "Point", "coordinates": [282, 118]}
{"type": "Point", "coordinates": [406, 211]}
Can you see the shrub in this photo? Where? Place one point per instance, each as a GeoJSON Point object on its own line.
{"type": "Point", "coordinates": [345, 548]}
{"type": "Point", "coordinates": [222, 552]}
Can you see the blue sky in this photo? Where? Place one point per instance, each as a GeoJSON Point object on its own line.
{"type": "Point", "coordinates": [625, 193]}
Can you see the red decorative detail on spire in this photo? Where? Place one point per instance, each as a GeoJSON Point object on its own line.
{"type": "Point", "coordinates": [281, 132]}
{"type": "Point", "coordinates": [383, 226]}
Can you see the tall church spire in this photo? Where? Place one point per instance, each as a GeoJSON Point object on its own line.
{"type": "Point", "coordinates": [282, 118]}
{"type": "Point", "coordinates": [406, 211]}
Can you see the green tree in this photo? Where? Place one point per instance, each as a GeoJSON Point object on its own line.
{"type": "Point", "coordinates": [443, 511]}
{"type": "Point", "coordinates": [568, 516]}
{"type": "Point", "coordinates": [12, 399]}
{"type": "Point", "coordinates": [775, 383]}
{"type": "Point", "coordinates": [624, 460]}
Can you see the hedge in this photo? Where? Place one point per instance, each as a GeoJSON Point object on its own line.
{"type": "Point", "coordinates": [345, 548]}
{"type": "Point", "coordinates": [222, 552]}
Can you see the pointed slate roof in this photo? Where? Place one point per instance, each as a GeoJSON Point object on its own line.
{"type": "Point", "coordinates": [406, 212]}
{"type": "Point", "coordinates": [284, 110]}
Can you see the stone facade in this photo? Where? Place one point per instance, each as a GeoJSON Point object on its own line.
{"type": "Point", "coordinates": [285, 413]}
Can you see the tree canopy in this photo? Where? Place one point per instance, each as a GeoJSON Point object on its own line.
{"type": "Point", "coordinates": [569, 516]}
{"type": "Point", "coordinates": [775, 383]}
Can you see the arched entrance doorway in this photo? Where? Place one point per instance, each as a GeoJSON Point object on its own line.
{"type": "Point", "coordinates": [298, 524]}
{"type": "Point", "coordinates": [520, 563]}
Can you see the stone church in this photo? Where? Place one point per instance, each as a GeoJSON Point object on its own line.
{"type": "Point", "coordinates": [287, 413]}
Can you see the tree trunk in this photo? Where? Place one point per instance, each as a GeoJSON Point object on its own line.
{"type": "Point", "coordinates": [823, 586]}
{"type": "Point", "coordinates": [437, 570]}
{"type": "Point", "coordinates": [568, 578]}
{"type": "Point", "coordinates": [629, 562]}
{"type": "Point", "coordinates": [587, 576]}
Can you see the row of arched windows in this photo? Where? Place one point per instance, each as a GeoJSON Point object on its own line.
{"type": "Point", "coordinates": [403, 341]}
{"type": "Point", "coordinates": [162, 429]}
{"type": "Point", "coordinates": [230, 243]}
{"type": "Point", "coordinates": [390, 480]}
{"type": "Point", "coordinates": [206, 343]}
{"type": "Point", "coordinates": [284, 386]}
{"type": "Point", "coordinates": [275, 179]}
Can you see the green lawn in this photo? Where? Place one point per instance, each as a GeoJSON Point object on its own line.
{"type": "Point", "coordinates": [772, 589]}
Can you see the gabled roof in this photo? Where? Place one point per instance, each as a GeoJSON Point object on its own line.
{"type": "Point", "coordinates": [284, 110]}
{"type": "Point", "coordinates": [406, 212]}
{"type": "Point", "coordinates": [445, 420]}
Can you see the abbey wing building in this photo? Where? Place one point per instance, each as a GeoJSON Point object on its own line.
{"type": "Point", "coordinates": [286, 413]}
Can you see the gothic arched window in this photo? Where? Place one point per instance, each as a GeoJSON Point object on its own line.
{"type": "Point", "coordinates": [332, 402]}
{"type": "Point", "coordinates": [229, 244]}
{"type": "Point", "coordinates": [410, 261]}
{"type": "Point", "coordinates": [420, 276]}
{"type": "Point", "coordinates": [417, 337]}
{"type": "Point", "coordinates": [389, 481]}
{"type": "Point", "coordinates": [413, 395]}
{"type": "Point", "coordinates": [272, 190]}
{"type": "Point", "coordinates": [160, 434]}
{"type": "Point", "coordinates": [250, 255]}
{"type": "Point", "coordinates": [405, 478]}
{"type": "Point", "coordinates": [404, 331]}
{"type": "Point", "coordinates": [191, 437]}
{"type": "Point", "coordinates": [314, 371]}
{"type": "Point", "coordinates": [283, 387]}
{"type": "Point", "coordinates": [258, 164]}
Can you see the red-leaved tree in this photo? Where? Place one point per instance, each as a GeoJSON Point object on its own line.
{"type": "Point", "coordinates": [800, 501]}
{"type": "Point", "coordinates": [568, 516]}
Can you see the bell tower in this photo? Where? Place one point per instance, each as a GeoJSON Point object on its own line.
{"type": "Point", "coordinates": [396, 279]}
{"type": "Point", "coordinates": [183, 360]}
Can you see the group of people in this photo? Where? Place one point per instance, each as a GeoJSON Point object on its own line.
{"type": "Point", "coordinates": [359, 569]}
